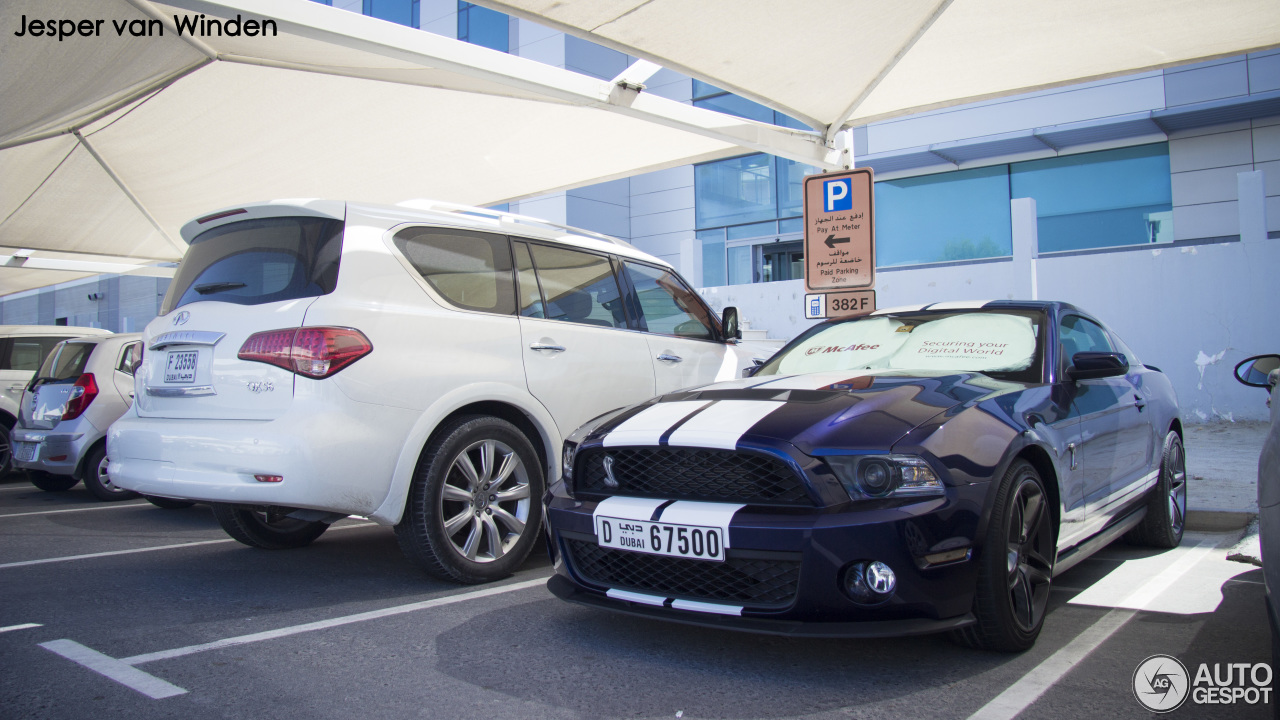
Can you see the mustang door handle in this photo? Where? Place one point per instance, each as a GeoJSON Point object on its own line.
{"type": "Point", "coordinates": [670, 358]}
{"type": "Point", "coordinates": [544, 346]}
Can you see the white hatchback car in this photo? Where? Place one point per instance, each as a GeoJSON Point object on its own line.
{"type": "Point", "coordinates": [22, 349]}
{"type": "Point", "coordinates": [82, 387]}
{"type": "Point", "coordinates": [319, 359]}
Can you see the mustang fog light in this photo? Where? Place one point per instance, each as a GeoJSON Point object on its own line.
{"type": "Point", "coordinates": [870, 582]}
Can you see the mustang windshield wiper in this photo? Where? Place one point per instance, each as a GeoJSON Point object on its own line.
{"type": "Point", "coordinates": [210, 288]}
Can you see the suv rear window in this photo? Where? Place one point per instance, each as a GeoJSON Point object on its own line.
{"type": "Point", "coordinates": [254, 262]}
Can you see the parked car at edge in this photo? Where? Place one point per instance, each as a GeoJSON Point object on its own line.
{"type": "Point", "coordinates": [22, 349]}
{"type": "Point", "coordinates": [82, 387]}
{"type": "Point", "coordinates": [1263, 371]}
{"type": "Point", "coordinates": [913, 471]}
{"type": "Point", "coordinates": [319, 359]}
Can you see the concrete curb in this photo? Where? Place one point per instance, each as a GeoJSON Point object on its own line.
{"type": "Point", "coordinates": [1218, 520]}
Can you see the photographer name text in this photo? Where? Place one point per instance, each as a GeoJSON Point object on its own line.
{"type": "Point", "coordinates": [193, 25]}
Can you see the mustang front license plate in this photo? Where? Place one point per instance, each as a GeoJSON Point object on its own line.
{"type": "Point", "coordinates": [181, 366]}
{"type": "Point", "coordinates": [657, 538]}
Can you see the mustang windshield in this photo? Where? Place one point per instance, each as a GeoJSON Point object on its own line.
{"type": "Point", "coordinates": [1005, 342]}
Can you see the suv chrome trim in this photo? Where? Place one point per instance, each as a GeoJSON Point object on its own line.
{"type": "Point", "coordinates": [186, 337]}
{"type": "Point", "coordinates": [195, 391]}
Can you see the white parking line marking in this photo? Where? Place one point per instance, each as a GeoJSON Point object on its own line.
{"type": "Point", "coordinates": [109, 553]}
{"type": "Point", "coordinates": [332, 622]}
{"type": "Point", "coordinates": [123, 673]}
{"type": "Point", "coordinates": [112, 506]}
{"type": "Point", "coordinates": [1030, 687]}
{"type": "Point", "coordinates": [24, 626]}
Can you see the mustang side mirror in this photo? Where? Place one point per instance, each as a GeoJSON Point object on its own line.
{"type": "Point", "coordinates": [756, 364]}
{"type": "Point", "coordinates": [729, 319]}
{"type": "Point", "coordinates": [1256, 371]}
{"type": "Point", "coordinates": [1094, 365]}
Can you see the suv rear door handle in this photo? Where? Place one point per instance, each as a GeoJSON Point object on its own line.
{"type": "Point", "coordinates": [1138, 403]}
{"type": "Point", "coordinates": [670, 358]}
{"type": "Point", "coordinates": [544, 346]}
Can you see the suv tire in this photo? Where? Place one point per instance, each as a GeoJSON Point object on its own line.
{"type": "Point", "coordinates": [266, 527]}
{"type": "Point", "coordinates": [474, 509]}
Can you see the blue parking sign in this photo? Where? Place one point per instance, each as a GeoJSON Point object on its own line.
{"type": "Point", "coordinates": [837, 195]}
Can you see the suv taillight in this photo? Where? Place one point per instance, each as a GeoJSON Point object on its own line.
{"type": "Point", "coordinates": [82, 393]}
{"type": "Point", "coordinates": [314, 352]}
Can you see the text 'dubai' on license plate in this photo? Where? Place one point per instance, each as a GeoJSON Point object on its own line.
{"type": "Point", "coordinates": [181, 367]}
{"type": "Point", "coordinates": [657, 538]}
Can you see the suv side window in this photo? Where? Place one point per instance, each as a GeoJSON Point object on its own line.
{"type": "Point", "coordinates": [26, 353]}
{"type": "Point", "coordinates": [577, 287]}
{"type": "Point", "coordinates": [470, 269]}
{"type": "Point", "coordinates": [130, 358]}
{"type": "Point", "coordinates": [667, 305]}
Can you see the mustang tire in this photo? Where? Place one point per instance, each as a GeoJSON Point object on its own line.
{"type": "Point", "coordinates": [98, 482]}
{"type": "Point", "coordinates": [1167, 503]}
{"type": "Point", "coordinates": [1016, 566]}
{"type": "Point", "coordinates": [475, 504]}
{"type": "Point", "coordinates": [266, 527]}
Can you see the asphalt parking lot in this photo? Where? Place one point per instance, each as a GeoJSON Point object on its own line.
{"type": "Point", "coordinates": [128, 610]}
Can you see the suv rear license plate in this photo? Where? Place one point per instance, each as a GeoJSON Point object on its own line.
{"type": "Point", "coordinates": [24, 451]}
{"type": "Point", "coordinates": [658, 538]}
{"type": "Point", "coordinates": [180, 367]}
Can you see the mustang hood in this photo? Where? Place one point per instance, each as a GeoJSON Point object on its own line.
{"type": "Point", "coordinates": [853, 411]}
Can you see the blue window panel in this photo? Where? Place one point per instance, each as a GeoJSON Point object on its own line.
{"type": "Point", "coordinates": [735, 191]}
{"type": "Point", "coordinates": [740, 271]}
{"type": "Point", "coordinates": [1101, 199]}
{"type": "Point", "coordinates": [713, 259]}
{"type": "Point", "coordinates": [323, 2]}
{"type": "Point", "coordinates": [791, 176]}
{"type": "Point", "coordinates": [403, 12]}
{"type": "Point", "coordinates": [763, 229]}
{"type": "Point", "coordinates": [482, 26]}
{"type": "Point", "coordinates": [954, 216]}
{"type": "Point", "coordinates": [791, 225]}
{"type": "Point", "coordinates": [736, 106]}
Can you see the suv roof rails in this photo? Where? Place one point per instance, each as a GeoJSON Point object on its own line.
{"type": "Point", "coordinates": [510, 217]}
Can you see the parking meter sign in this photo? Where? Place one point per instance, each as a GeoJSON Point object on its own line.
{"type": "Point", "coordinates": [839, 231]}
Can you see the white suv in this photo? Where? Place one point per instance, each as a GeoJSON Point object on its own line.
{"type": "Point", "coordinates": [319, 359]}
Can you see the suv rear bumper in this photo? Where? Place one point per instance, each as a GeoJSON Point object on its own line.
{"type": "Point", "coordinates": [335, 459]}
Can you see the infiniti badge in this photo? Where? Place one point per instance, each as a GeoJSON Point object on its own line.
{"type": "Point", "coordinates": [181, 318]}
{"type": "Point", "coordinates": [609, 479]}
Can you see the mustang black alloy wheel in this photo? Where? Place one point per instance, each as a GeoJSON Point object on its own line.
{"type": "Point", "coordinates": [1016, 566]}
{"type": "Point", "coordinates": [267, 527]}
{"type": "Point", "coordinates": [1167, 504]}
{"type": "Point", "coordinates": [98, 482]}
{"type": "Point", "coordinates": [474, 508]}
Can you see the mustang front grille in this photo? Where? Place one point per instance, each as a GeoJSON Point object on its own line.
{"type": "Point", "coordinates": [751, 582]}
{"type": "Point", "coordinates": [689, 474]}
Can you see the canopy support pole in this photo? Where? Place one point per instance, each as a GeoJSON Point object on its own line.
{"type": "Point", "coordinates": [179, 246]}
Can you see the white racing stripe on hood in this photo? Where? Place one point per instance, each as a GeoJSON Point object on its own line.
{"type": "Point", "coordinates": [817, 381]}
{"type": "Point", "coordinates": [721, 425]}
{"type": "Point", "coordinates": [647, 426]}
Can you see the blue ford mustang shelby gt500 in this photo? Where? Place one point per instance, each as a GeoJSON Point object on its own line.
{"type": "Point", "coordinates": [906, 472]}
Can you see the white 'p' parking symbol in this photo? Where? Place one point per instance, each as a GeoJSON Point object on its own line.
{"type": "Point", "coordinates": [837, 195]}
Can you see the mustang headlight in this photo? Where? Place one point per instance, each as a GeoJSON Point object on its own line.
{"type": "Point", "coordinates": [880, 476]}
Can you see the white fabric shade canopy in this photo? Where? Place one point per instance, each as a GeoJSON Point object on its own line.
{"type": "Point", "coordinates": [108, 144]}
{"type": "Point", "coordinates": [838, 63]}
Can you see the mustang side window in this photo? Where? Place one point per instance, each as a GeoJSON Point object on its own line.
{"type": "Point", "coordinates": [667, 307]}
{"type": "Point", "coordinates": [470, 269]}
{"type": "Point", "coordinates": [1077, 335]}
{"type": "Point", "coordinates": [578, 287]}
